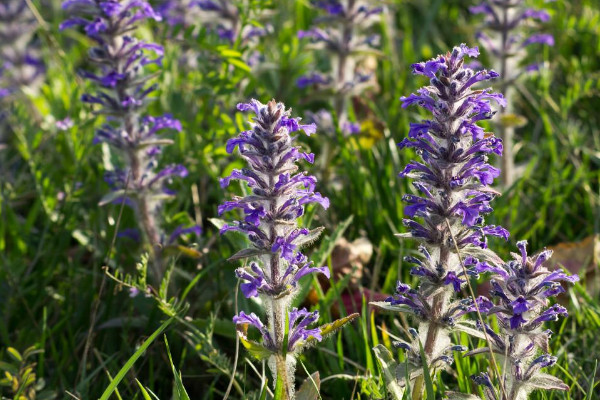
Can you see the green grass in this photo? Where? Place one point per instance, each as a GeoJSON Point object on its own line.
{"type": "Point", "coordinates": [55, 240]}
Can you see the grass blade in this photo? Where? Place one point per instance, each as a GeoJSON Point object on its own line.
{"type": "Point", "coordinates": [121, 374]}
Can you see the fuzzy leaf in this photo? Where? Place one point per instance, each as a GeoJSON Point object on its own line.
{"type": "Point", "coordinates": [462, 396]}
{"type": "Point", "coordinates": [480, 350]}
{"type": "Point", "coordinates": [246, 253]}
{"type": "Point", "coordinates": [338, 324]}
{"type": "Point", "coordinates": [313, 235]}
{"type": "Point", "coordinates": [384, 305]}
{"type": "Point", "coordinates": [405, 370]}
{"type": "Point", "coordinates": [469, 329]}
{"type": "Point", "coordinates": [389, 366]}
{"type": "Point", "coordinates": [155, 142]}
{"type": "Point", "coordinates": [112, 196]}
{"type": "Point", "coordinates": [327, 329]}
{"type": "Point", "coordinates": [483, 255]}
{"type": "Point", "coordinates": [310, 388]}
{"type": "Point", "coordinates": [546, 381]}
{"type": "Point", "coordinates": [541, 340]}
{"type": "Point", "coordinates": [513, 120]}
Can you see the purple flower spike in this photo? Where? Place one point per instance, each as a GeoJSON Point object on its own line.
{"type": "Point", "coordinates": [342, 30]}
{"type": "Point", "coordinates": [122, 92]}
{"type": "Point", "coordinates": [446, 212]}
{"type": "Point", "coordinates": [267, 175]}
{"type": "Point", "coordinates": [508, 30]}
{"type": "Point", "coordinates": [522, 292]}
{"type": "Point", "coordinates": [279, 194]}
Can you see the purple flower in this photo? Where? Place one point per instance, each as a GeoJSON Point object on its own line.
{"type": "Point", "coordinates": [452, 279]}
{"type": "Point", "coordinates": [506, 29]}
{"type": "Point", "coordinates": [446, 212]}
{"type": "Point", "coordinates": [253, 320]}
{"type": "Point", "coordinates": [278, 195]}
{"type": "Point", "coordinates": [469, 202]}
{"type": "Point", "coordinates": [342, 30]}
{"type": "Point", "coordinates": [312, 79]}
{"type": "Point", "coordinates": [297, 329]}
{"type": "Point", "coordinates": [122, 91]}
{"type": "Point", "coordinates": [522, 292]}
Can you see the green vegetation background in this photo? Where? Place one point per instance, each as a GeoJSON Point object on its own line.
{"type": "Point", "coordinates": [55, 240]}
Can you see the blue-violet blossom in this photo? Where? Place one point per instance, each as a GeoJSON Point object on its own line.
{"type": "Point", "coordinates": [506, 35]}
{"type": "Point", "coordinates": [123, 90]}
{"type": "Point", "coordinates": [452, 182]}
{"type": "Point", "coordinates": [346, 42]}
{"type": "Point", "coordinates": [278, 196]}
{"type": "Point", "coordinates": [523, 287]}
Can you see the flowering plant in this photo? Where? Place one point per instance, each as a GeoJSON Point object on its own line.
{"type": "Point", "coordinates": [122, 94]}
{"type": "Point", "coordinates": [453, 182]}
{"type": "Point", "coordinates": [279, 194]}
{"type": "Point", "coordinates": [523, 287]}
{"type": "Point", "coordinates": [346, 43]}
{"type": "Point", "coordinates": [506, 37]}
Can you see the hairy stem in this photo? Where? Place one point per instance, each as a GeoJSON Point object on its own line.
{"type": "Point", "coordinates": [278, 307]}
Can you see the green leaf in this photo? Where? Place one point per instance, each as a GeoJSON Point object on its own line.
{"type": "Point", "coordinates": [426, 374]}
{"type": "Point", "coordinates": [279, 388]}
{"type": "Point", "coordinates": [388, 366]}
{"type": "Point", "coordinates": [246, 253]}
{"type": "Point", "coordinates": [181, 394]}
{"type": "Point", "coordinates": [218, 222]}
{"type": "Point", "coordinates": [338, 324]}
{"type": "Point", "coordinates": [14, 354]}
{"type": "Point", "coordinates": [146, 392]}
{"type": "Point", "coordinates": [239, 64]}
{"type": "Point", "coordinates": [175, 250]}
{"type": "Point", "coordinates": [129, 364]}
{"type": "Point", "coordinates": [4, 366]}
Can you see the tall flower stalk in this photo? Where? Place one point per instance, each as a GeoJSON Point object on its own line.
{"type": "Point", "coordinates": [345, 40]}
{"type": "Point", "coordinates": [278, 197]}
{"type": "Point", "coordinates": [523, 287]}
{"type": "Point", "coordinates": [446, 216]}
{"type": "Point", "coordinates": [122, 93]}
{"type": "Point", "coordinates": [504, 36]}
